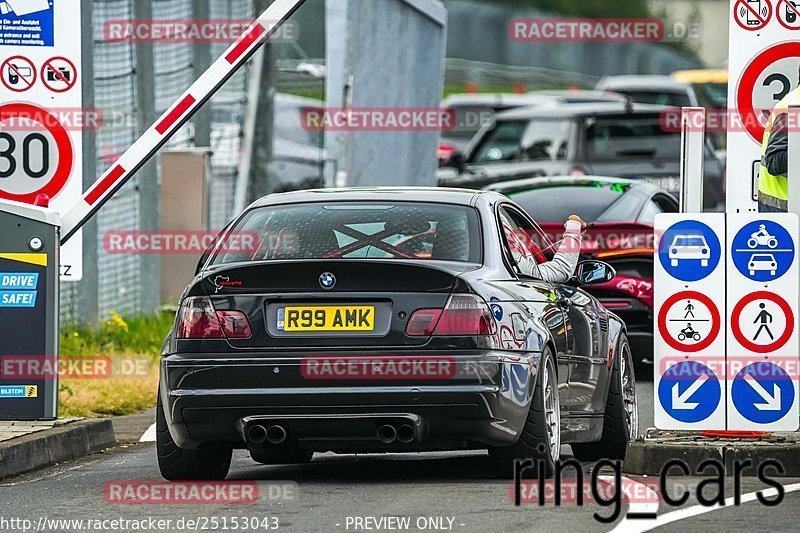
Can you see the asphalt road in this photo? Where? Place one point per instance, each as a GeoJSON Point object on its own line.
{"type": "Point", "coordinates": [434, 492]}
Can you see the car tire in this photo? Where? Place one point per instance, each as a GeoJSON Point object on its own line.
{"type": "Point", "coordinates": [621, 422]}
{"type": "Point", "coordinates": [281, 456]}
{"type": "Point", "coordinates": [537, 440]}
{"type": "Point", "coordinates": [209, 462]}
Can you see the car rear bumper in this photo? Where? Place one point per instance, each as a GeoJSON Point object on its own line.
{"type": "Point", "coordinates": [471, 399]}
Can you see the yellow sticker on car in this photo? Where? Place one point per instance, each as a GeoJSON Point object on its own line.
{"type": "Point", "coordinates": [326, 318]}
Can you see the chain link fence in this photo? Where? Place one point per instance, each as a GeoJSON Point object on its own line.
{"type": "Point", "coordinates": [118, 95]}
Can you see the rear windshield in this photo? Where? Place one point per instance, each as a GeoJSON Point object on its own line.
{"type": "Point", "coordinates": [367, 230]}
{"type": "Point", "coordinates": [555, 204]}
{"type": "Point", "coordinates": [630, 137]}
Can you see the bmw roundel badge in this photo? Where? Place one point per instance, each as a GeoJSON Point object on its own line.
{"type": "Point", "coordinates": [327, 280]}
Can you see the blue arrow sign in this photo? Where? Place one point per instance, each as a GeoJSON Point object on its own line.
{"type": "Point", "coordinates": [763, 251]}
{"type": "Point", "coordinates": [762, 392]}
{"type": "Point", "coordinates": [689, 392]}
{"type": "Point", "coordinates": [689, 251]}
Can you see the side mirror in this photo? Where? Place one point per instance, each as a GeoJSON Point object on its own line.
{"type": "Point", "coordinates": [594, 273]}
{"type": "Point", "coordinates": [458, 162]}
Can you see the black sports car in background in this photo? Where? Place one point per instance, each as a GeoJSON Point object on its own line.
{"type": "Point", "coordinates": [390, 320]}
{"type": "Point", "coordinates": [622, 213]}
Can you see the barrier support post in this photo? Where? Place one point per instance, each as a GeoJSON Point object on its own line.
{"type": "Point", "coordinates": [693, 133]}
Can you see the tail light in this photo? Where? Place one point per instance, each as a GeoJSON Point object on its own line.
{"type": "Point", "coordinates": [464, 315]}
{"type": "Point", "coordinates": [197, 319]}
{"type": "Point", "coordinates": [446, 150]}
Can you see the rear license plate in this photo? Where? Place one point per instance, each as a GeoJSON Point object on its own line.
{"type": "Point", "coordinates": [326, 319]}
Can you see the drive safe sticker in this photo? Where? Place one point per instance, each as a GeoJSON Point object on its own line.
{"type": "Point", "coordinates": [18, 299]}
{"type": "Point", "coordinates": [22, 281]}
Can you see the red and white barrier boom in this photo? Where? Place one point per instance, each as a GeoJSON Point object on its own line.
{"type": "Point", "coordinates": [177, 115]}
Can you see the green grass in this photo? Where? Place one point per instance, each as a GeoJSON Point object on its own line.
{"type": "Point", "coordinates": [140, 335]}
{"type": "Point", "coordinates": [121, 340]}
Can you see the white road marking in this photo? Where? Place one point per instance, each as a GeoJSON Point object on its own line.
{"type": "Point", "coordinates": [640, 526]}
{"type": "Point", "coordinates": [641, 499]}
{"type": "Point", "coordinates": [149, 435]}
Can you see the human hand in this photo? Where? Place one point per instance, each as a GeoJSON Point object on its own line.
{"type": "Point", "coordinates": [576, 218]}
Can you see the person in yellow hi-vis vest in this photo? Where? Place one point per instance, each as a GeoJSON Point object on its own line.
{"type": "Point", "coordinates": [773, 186]}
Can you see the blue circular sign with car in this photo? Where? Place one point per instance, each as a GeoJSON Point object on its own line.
{"type": "Point", "coordinates": [689, 251]}
{"type": "Point", "coordinates": [763, 251]}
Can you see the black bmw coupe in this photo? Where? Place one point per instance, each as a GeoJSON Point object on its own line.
{"type": "Point", "coordinates": [389, 320]}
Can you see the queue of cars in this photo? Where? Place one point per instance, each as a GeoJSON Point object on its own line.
{"type": "Point", "coordinates": [416, 319]}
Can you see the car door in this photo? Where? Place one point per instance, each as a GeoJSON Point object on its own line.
{"type": "Point", "coordinates": [586, 330]}
{"type": "Point", "coordinates": [538, 298]}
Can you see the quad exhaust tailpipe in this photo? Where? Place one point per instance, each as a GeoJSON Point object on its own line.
{"type": "Point", "coordinates": [276, 434]}
{"type": "Point", "coordinates": [406, 434]}
{"type": "Point", "coordinates": [387, 434]}
{"type": "Point", "coordinates": [257, 434]}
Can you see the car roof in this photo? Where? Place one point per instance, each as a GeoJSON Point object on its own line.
{"type": "Point", "coordinates": [578, 96]}
{"type": "Point", "coordinates": [532, 184]}
{"type": "Point", "coordinates": [579, 110]}
{"type": "Point", "coordinates": [404, 194]}
{"type": "Point", "coordinates": [651, 83]}
{"type": "Point", "coordinates": [498, 99]}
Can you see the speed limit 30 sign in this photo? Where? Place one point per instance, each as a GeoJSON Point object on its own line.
{"type": "Point", "coordinates": [42, 122]}
{"type": "Point", "coordinates": [766, 80]}
{"type": "Point", "coordinates": [36, 153]}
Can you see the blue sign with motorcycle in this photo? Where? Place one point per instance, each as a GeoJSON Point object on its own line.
{"type": "Point", "coordinates": [689, 392]}
{"type": "Point", "coordinates": [689, 251]}
{"type": "Point", "coordinates": [763, 251]}
{"type": "Point", "coordinates": [763, 393]}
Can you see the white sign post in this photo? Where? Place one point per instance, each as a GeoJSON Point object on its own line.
{"type": "Point", "coordinates": [41, 110]}
{"type": "Point", "coordinates": [764, 66]}
{"type": "Point", "coordinates": [763, 344]}
{"type": "Point", "coordinates": [690, 340]}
